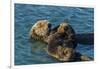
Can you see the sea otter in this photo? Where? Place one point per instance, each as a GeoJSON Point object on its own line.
{"type": "Point", "coordinates": [40, 30]}
{"type": "Point", "coordinates": [61, 40]}
{"type": "Point", "coordinates": [62, 44]}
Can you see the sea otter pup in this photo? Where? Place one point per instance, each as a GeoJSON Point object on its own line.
{"type": "Point", "coordinates": [40, 30]}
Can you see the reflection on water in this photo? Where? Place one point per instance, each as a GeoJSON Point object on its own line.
{"type": "Point", "coordinates": [31, 51]}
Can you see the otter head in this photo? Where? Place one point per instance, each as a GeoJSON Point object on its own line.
{"type": "Point", "coordinates": [64, 53]}
{"type": "Point", "coordinates": [40, 28]}
{"type": "Point", "coordinates": [61, 28]}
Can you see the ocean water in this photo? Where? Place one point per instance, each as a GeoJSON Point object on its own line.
{"type": "Point", "coordinates": [31, 51]}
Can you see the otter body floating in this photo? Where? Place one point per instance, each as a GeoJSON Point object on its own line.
{"type": "Point", "coordinates": [61, 40]}
{"type": "Point", "coordinates": [62, 44]}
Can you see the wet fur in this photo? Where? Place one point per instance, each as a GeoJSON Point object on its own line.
{"type": "Point", "coordinates": [61, 41]}
{"type": "Point", "coordinates": [40, 30]}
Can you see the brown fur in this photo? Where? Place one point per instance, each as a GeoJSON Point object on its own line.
{"type": "Point", "coordinates": [56, 47]}
{"type": "Point", "coordinates": [61, 40]}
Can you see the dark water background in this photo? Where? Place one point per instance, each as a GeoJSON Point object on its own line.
{"type": "Point", "coordinates": [32, 52]}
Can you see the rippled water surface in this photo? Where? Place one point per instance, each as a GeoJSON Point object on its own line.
{"type": "Point", "coordinates": [32, 52]}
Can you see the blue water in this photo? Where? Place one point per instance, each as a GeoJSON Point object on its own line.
{"type": "Point", "coordinates": [32, 52]}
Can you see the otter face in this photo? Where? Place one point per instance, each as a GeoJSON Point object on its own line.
{"type": "Point", "coordinates": [40, 28]}
{"type": "Point", "coordinates": [62, 27]}
{"type": "Point", "coordinates": [65, 54]}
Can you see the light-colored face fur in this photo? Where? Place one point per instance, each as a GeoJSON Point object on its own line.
{"type": "Point", "coordinates": [40, 28]}
{"type": "Point", "coordinates": [61, 27]}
